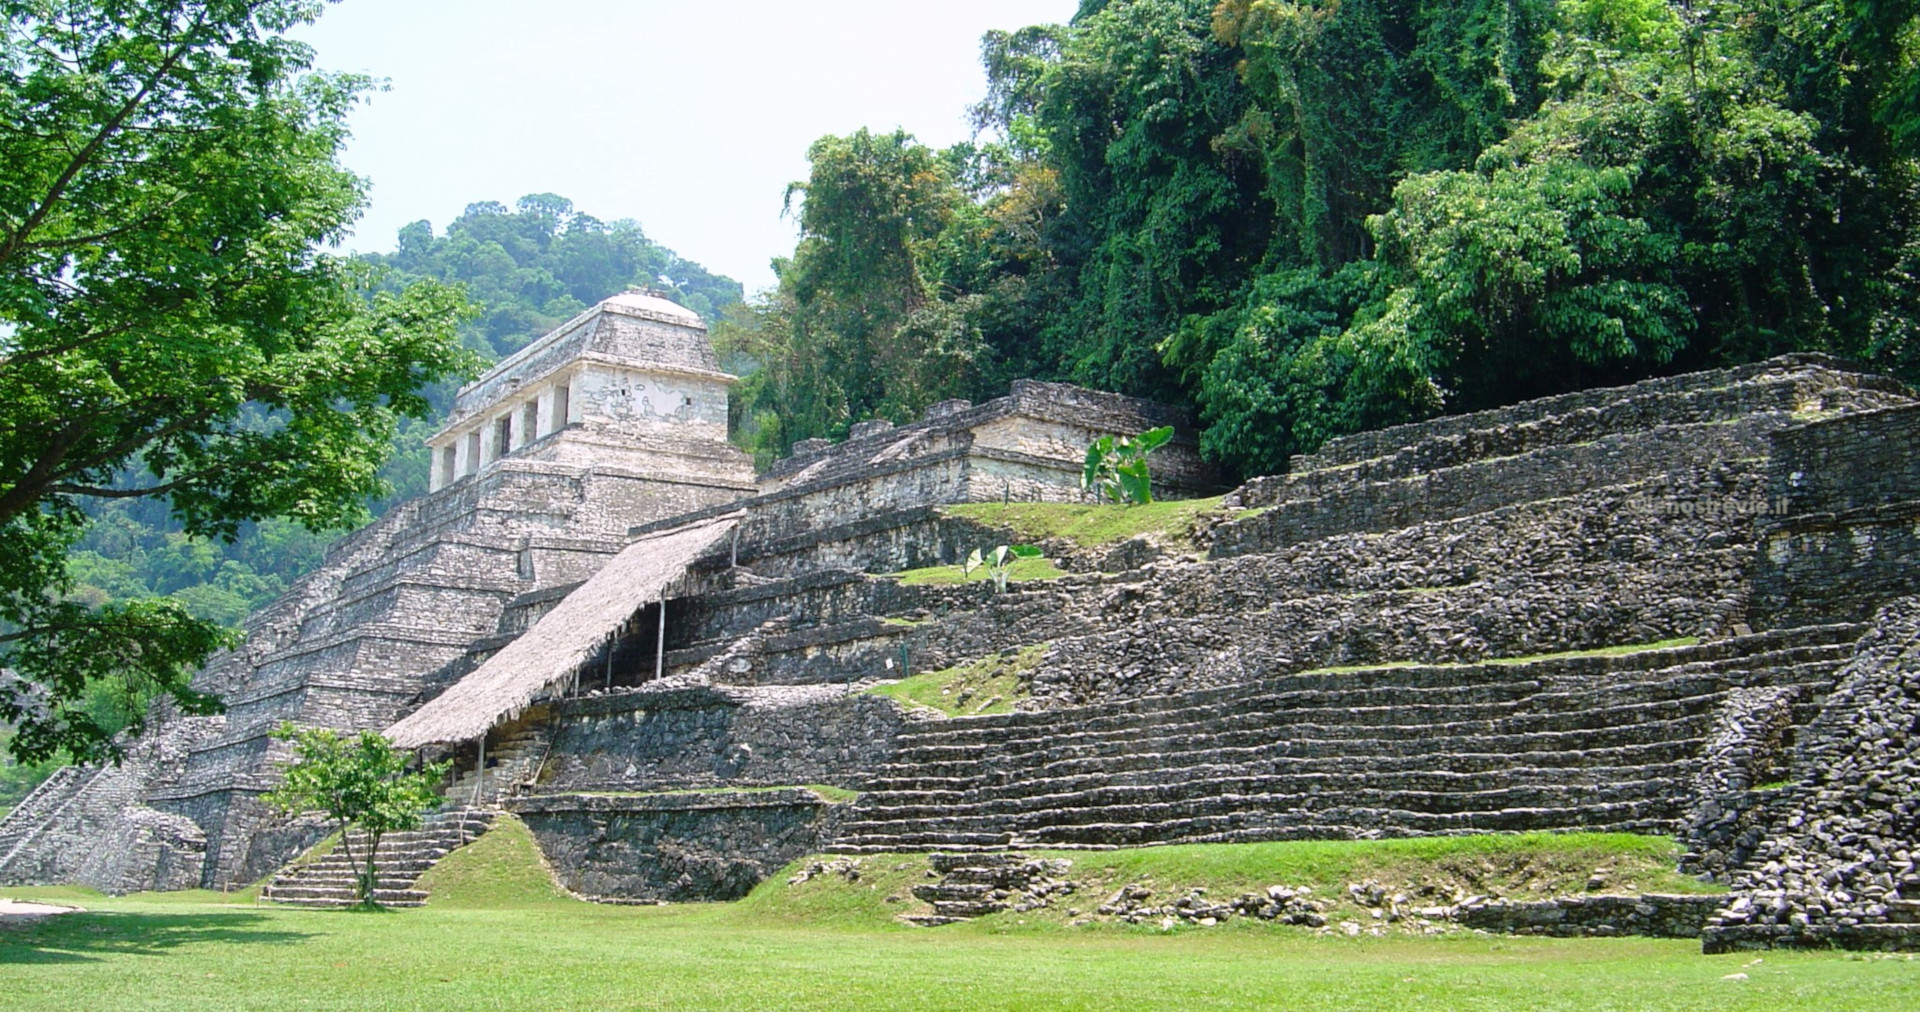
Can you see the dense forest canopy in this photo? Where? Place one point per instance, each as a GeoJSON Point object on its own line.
{"type": "Point", "coordinates": [1307, 219]}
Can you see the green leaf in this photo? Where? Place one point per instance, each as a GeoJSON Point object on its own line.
{"type": "Point", "coordinates": [1135, 485]}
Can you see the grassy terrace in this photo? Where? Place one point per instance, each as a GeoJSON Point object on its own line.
{"type": "Point", "coordinates": [1021, 571]}
{"type": "Point", "coordinates": [1090, 525]}
{"type": "Point", "coordinates": [498, 935]}
{"type": "Point", "coordinates": [988, 685]}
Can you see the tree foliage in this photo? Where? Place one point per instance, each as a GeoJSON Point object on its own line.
{"type": "Point", "coordinates": [532, 267]}
{"type": "Point", "coordinates": [170, 330]}
{"type": "Point", "coordinates": [1309, 218]}
{"type": "Point", "coordinates": [359, 782]}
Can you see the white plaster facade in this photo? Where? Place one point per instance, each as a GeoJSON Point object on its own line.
{"type": "Point", "coordinates": [618, 386]}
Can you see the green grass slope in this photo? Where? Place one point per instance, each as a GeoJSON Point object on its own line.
{"type": "Point", "coordinates": [503, 869]}
{"type": "Point", "coordinates": [497, 935]}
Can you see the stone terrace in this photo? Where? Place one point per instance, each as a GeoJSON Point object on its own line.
{"type": "Point", "coordinates": [1598, 742]}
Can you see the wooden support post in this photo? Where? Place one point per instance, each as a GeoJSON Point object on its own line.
{"type": "Point", "coordinates": [480, 772]}
{"type": "Point", "coordinates": [660, 639]}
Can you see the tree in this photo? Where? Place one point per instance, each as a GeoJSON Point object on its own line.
{"type": "Point", "coordinates": [872, 317]}
{"type": "Point", "coordinates": [169, 327]}
{"type": "Point", "coordinates": [359, 782]}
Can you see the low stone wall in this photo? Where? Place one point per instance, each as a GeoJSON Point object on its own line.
{"type": "Point", "coordinates": [710, 738]}
{"type": "Point", "coordinates": [1822, 382]}
{"type": "Point", "coordinates": [675, 847]}
{"type": "Point", "coordinates": [1348, 505]}
{"type": "Point", "coordinates": [1654, 915]}
{"type": "Point", "coordinates": [1850, 537]}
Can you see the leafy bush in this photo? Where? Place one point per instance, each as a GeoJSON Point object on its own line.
{"type": "Point", "coordinates": [1117, 466]}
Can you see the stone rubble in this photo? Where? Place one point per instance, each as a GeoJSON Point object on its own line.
{"type": "Point", "coordinates": [1840, 864]}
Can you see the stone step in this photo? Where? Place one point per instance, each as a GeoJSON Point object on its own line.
{"type": "Point", "coordinates": [1280, 755]}
{"type": "Point", "coordinates": [1330, 725]}
{"type": "Point", "coordinates": [400, 860]}
{"type": "Point", "coordinates": [1532, 694]}
{"type": "Point", "coordinates": [1174, 784]}
{"type": "Point", "coordinates": [1320, 742]}
{"type": "Point", "coordinates": [299, 893]}
{"type": "Point", "coordinates": [1654, 816]}
{"type": "Point", "coordinates": [1254, 794]}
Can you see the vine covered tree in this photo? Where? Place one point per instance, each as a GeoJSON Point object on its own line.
{"type": "Point", "coordinates": [170, 328]}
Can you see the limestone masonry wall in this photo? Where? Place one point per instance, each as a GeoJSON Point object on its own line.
{"type": "Point", "coordinates": [703, 846]}
{"type": "Point", "coordinates": [1849, 537]}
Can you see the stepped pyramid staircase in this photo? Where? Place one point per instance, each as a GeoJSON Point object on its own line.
{"type": "Point", "coordinates": [514, 754]}
{"type": "Point", "coordinates": [1605, 742]}
{"type": "Point", "coordinates": [402, 859]}
{"type": "Point", "coordinates": [39, 808]}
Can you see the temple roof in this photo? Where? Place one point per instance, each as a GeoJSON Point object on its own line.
{"type": "Point", "coordinates": [638, 329]}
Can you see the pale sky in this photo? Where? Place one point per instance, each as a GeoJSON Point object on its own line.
{"type": "Point", "coordinates": [688, 117]}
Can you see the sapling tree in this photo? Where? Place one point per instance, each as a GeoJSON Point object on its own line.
{"type": "Point", "coordinates": [1116, 466]}
{"type": "Point", "coordinates": [359, 782]}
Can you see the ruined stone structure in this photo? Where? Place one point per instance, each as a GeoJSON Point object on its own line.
{"type": "Point", "coordinates": [1661, 608]}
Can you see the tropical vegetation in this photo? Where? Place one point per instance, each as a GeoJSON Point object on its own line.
{"type": "Point", "coordinates": [1311, 218]}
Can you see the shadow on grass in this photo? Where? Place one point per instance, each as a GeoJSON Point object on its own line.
{"type": "Point", "coordinates": [86, 937]}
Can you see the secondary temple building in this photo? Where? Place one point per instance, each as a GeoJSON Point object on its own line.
{"type": "Point", "coordinates": [611, 625]}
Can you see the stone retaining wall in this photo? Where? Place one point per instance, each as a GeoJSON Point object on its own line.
{"type": "Point", "coordinates": [1653, 915]}
{"type": "Point", "coordinates": [675, 847]}
{"type": "Point", "coordinates": [1850, 539]}
{"type": "Point", "coordinates": [647, 740]}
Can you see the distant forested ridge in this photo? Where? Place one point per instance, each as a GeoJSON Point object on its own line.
{"type": "Point", "coordinates": [532, 268]}
{"type": "Point", "coordinates": [526, 270]}
{"type": "Point", "coordinates": [1311, 218]}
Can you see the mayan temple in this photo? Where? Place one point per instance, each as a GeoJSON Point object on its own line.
{"type": "Point", "coordinates": [1681, 607]}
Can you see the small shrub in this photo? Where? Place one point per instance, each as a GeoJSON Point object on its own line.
{"type": "Point", "coordinates": [1116, 466]}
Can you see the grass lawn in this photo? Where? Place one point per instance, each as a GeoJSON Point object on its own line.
{"type": "Point", "coordinates": [498, 936]}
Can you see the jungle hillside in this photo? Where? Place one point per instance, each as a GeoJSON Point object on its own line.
{"type": "Point", "coordinates": [1309, 219]}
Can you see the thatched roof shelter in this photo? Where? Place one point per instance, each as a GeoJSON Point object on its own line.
{"type": "Point", "coordinates": [564, 639]}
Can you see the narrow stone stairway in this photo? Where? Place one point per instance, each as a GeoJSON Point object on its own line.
{"type": "Point", "coordinates": [402, 859]}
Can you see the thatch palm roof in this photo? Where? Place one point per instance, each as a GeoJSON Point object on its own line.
{"type": "Point", "coordinates": [563, 640]}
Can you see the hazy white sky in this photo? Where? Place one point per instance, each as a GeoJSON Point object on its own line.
{"type": "Point", "coordinates": [689, 117]}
